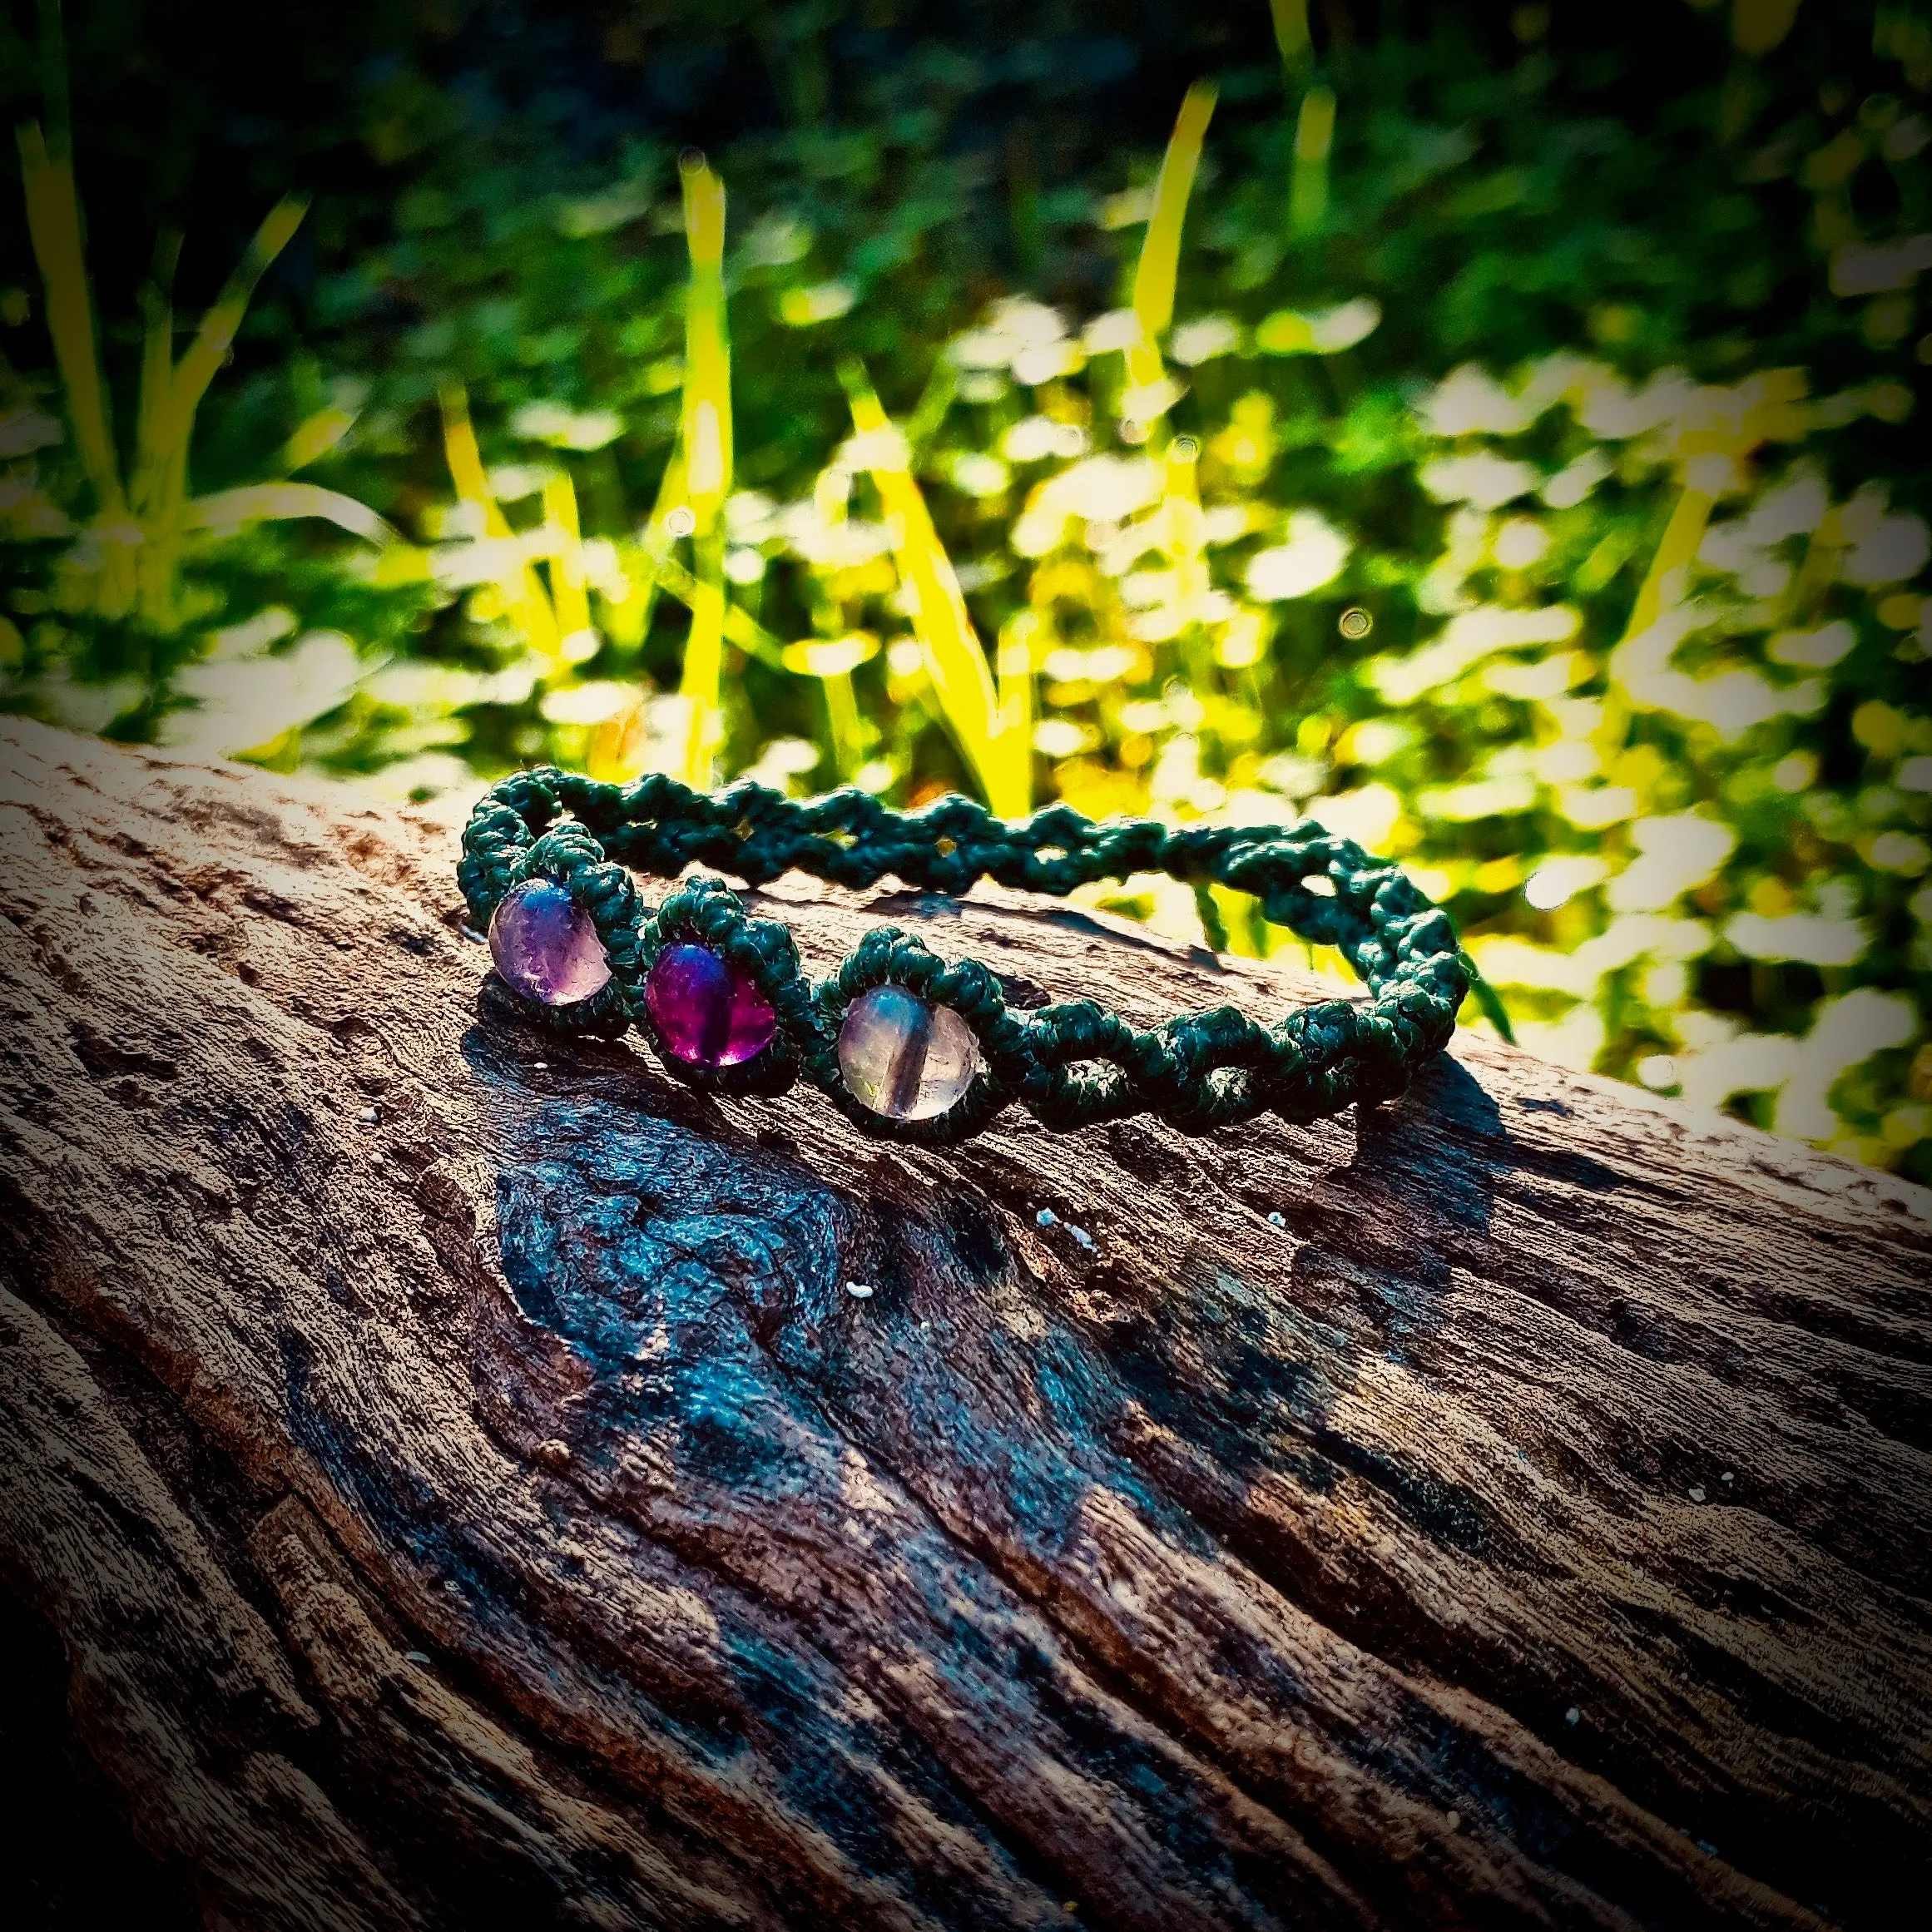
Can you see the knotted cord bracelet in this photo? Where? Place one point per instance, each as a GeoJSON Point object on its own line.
{"type": "Point", "coordinates": [907, 1046]}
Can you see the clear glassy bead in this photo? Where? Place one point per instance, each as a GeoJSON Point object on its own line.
{"type": "Point", "coordinates": [545, 945]}
{"type": "Point", "coordinates": [707, 1013]}
{"type": "Point", "coordinates": [903, 1058]}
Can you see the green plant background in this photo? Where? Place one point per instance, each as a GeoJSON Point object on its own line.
{"type": "Point", "coordinates": [1532, 482]}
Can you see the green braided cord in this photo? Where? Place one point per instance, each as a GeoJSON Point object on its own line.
{"type": "Point", "coordinates": [1071, 1064]}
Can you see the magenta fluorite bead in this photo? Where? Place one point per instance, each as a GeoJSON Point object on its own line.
{"type": "Point", "coordinates": [545, 945]}
{"type": "Point", "coordinates": [707, 1013]}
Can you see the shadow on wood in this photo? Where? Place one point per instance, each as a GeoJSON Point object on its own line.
{"type": "Point", "coordinates": [470, 1494]}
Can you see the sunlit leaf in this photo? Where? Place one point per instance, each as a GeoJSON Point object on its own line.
{"type": "Point", "coordinates": [830, 656]}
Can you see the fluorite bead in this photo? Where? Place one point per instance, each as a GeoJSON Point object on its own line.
{"type": "Point", "coordinates": [707, 1012]}
{"type": "Point", "coordinates": [904, 1058]}
{"type": "Point", "coordinates": [545, 945]}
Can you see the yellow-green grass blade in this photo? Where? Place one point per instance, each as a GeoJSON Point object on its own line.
{"type": "Point", "coordinates": [832, 660]}
{"type": "Point", "coordinates": [706, 441]}
{"type": "Point", "coordinates": [706, 426]}
{"type": "Point", "coordinates": [739, 626]}
{"type": "Point", "coordinates": [1774, 416]}
{"type": "Point", "coordinates": [957, 665]}
{"type": "Point", "coordinates": [158, 485]}
{"type": "Point", "coordinates": [619, 748]}
{"type": "Point", "coordinates": [53, 81]}
{"type": "Point", "coordinates": [160, 554]}
{"type": "Point", "coordinates": [465, 460]}
{"type": "Point", "coordinates": [929, 411]}
{"type": "Point", "coordinates": [644, 561]}
{"type": "Point", "coordinates": [216, 336]}
{"type": "Point", "coordinates": [1757, 26]}
{"type": "Point", "coordinates": [701, 680]}
{"type": "Point", "coordinates": [1155, 274]}
{"type": "Point", "coordinates": [1017, 645]}
{"type": "Point", "coordinates": [1291, 32]}
{"type": "Point", "coordinates": [157, 375]}
{"type": "Point", "coordinates": [1488, 1001]}
{"type": "Point", "coordinates": [567, 594]}
{"type": "Point", "coordinates": [1183, 534]}
{"type": "Point", "coordinates": [280, 501]}
{"type": "Point", "coordinates": [1690, 517]}
{"type": "Point", "coordinates": [523, 597]}
{"type": "Point", "coordinates": [1314, 136]}
{"type": "Point", "coordinates": [1213, 923]}
{"type": "Point", "coordinates": [53, 222]}
{"type": "Point", "coordinates": [842, 722]}
{"type": "Point", "coordinates": [315, 437]}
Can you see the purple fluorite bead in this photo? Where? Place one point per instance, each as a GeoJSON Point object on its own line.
{"type": "Point", "coordinates": [707, 1013]}
{"type": "Point", "coordinates": [904, 1058]}
{"type": "Point", "coordinates": [545, 945]}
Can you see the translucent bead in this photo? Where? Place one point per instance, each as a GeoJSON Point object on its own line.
{"type": "Point", "coordinates": [707, 1013]}
{"type": "Point", "coordinates": [545, 945]}
{"type": "Point", "coordinates": [903, 1058]}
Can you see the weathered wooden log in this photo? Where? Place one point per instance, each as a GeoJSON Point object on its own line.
{"type": "Point", "coordinates": [468, 1494]}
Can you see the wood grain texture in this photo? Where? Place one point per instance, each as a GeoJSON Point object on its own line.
{"type": "Point", "coordinates": [469, 1495]}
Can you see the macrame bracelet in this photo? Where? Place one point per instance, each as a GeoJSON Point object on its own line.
{"type": "Point", "coordinates": [910, 1046]}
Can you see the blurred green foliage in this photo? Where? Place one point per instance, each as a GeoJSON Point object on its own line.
{"type": "Point", "coordinates": [1531, 482]}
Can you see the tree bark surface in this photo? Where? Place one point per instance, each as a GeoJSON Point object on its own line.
{"type": "Point", "coordinates": [468, 1494]}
